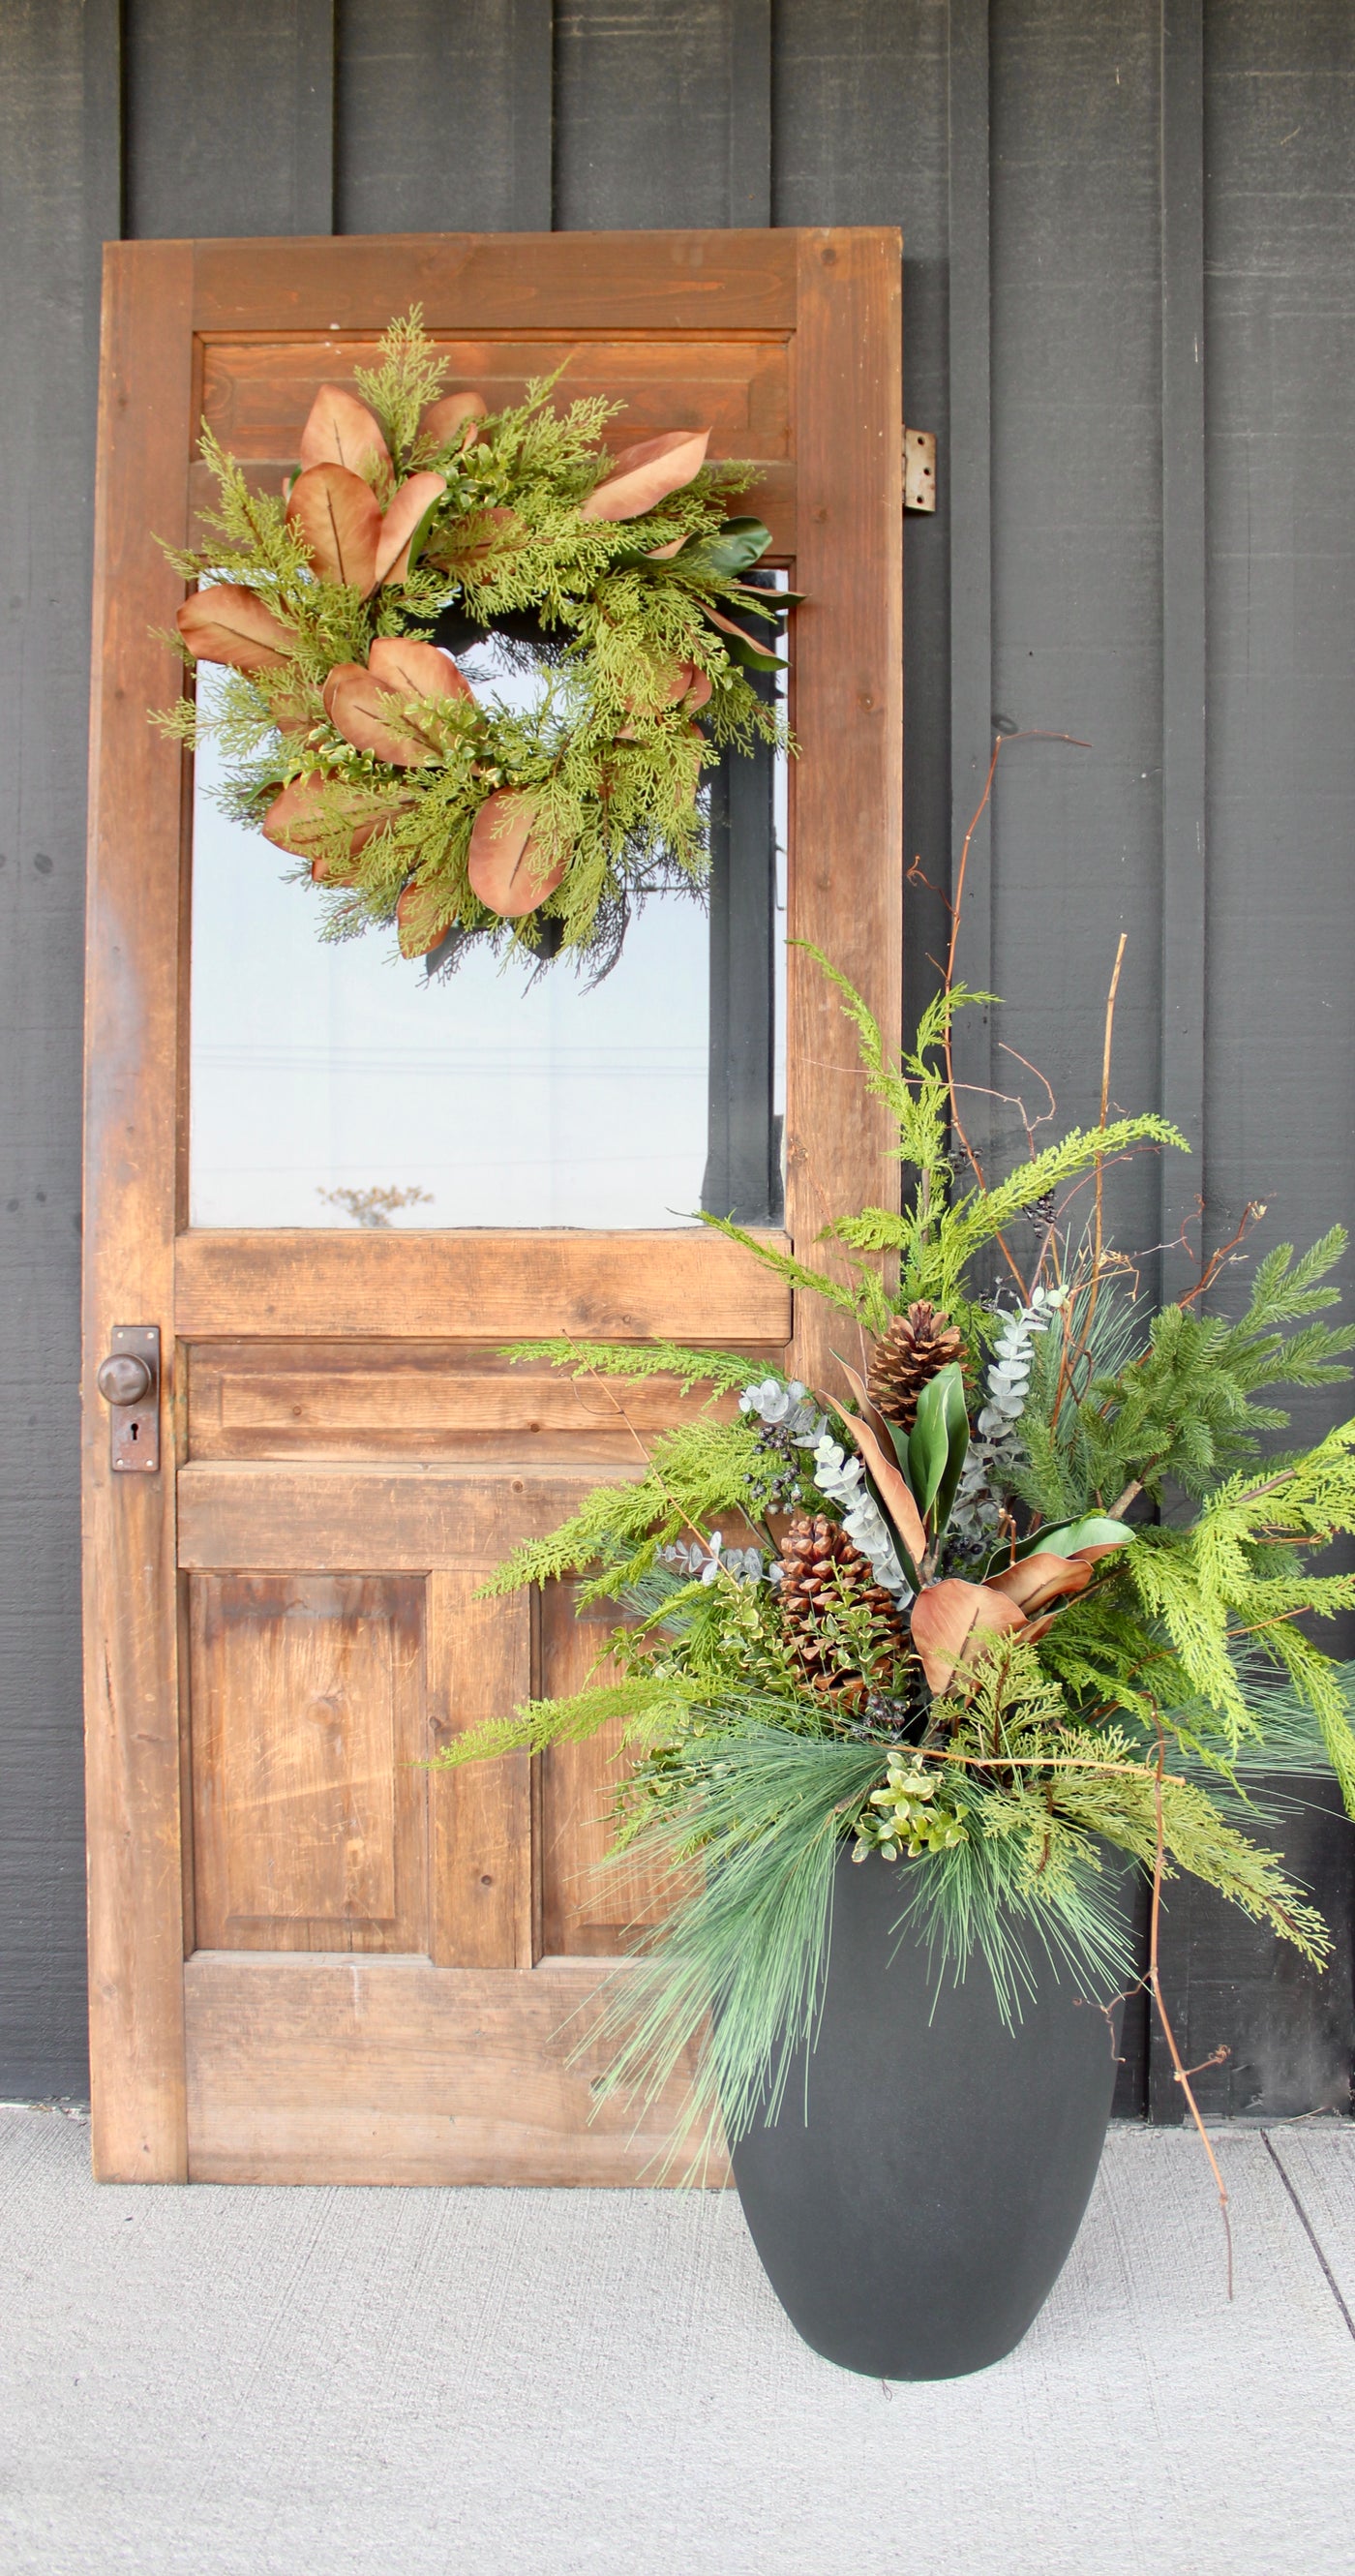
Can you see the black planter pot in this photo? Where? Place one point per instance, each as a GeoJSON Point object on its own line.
{"type": "Point", "coordinates": [914, 2205]}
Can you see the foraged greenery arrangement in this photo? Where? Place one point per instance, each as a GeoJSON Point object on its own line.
{"type": "Point", "coordinates": [934, 1614]}
{"type": "Point", "coordinates": [355, 741]}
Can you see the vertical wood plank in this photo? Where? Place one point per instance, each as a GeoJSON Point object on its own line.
{"type": "Point", "coordinates": [750, 112]}
{"type": "Point", "coordinates": [230, 118]}
{"type": "Point", "coordinates": [60, 198]}
{"type": "Point", "coordinates": [444, 116]}
{"type": "Point", "coordinates": [969, 470]}
{"type": "Point", "coordinates": [847, 789]}
{"type": "Point", "coordinates": [479, 1665]}
{"type": "Point", "coordinates": [131, 1625]}
{"type": "Point", "coordinates": [1183, 616]}
{"type": "Point", "coordinates": [313, 113]}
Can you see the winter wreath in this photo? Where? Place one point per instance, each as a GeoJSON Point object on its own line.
{"type": "Point", "coordinates": [416, 526]}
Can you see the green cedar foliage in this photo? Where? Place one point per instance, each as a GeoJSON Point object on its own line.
{"type": "Point", "coordinates": [613, 768]}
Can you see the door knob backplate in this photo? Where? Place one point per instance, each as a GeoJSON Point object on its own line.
{"type": "Point", "coordinates": [129, 1382]}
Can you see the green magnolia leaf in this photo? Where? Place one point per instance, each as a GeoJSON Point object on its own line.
{"type": "Point", "coordinates": [957, 1427]}
{"type": "Point", "coordinates": [1096, 1529]}
{"type": "Point", "coordinates": [929, 1445]}
{"type": "Point", "coordinates": [723, 556]}
{"type": "Point", "coordinates": [749, 656]}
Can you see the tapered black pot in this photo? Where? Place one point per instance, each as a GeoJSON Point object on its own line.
{"type": "Point", "coordinates": [916, 2198]}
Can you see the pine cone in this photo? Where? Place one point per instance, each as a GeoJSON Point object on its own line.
{"type": "Point", "coordinates": [915, 1349]}
{"type": "Point", "coordinates": [823, 1572]}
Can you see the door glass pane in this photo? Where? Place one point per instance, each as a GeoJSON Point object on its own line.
{"type": "Point", "coordinates": [338, 1083]}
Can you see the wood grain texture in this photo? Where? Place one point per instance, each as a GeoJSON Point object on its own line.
{"type": "Point", "coordinates": [60, 192]}
{"type": "Point", "coordinates": [225, 129]}
{"type": "Point", "coordinates": [308, 1722]}
{"type": "Point", "coordinates": [349, 1400]}
{"type": "Point", "coordinates": [445, 120]}
{"type": "Point", "coordinates": [384, 2070]}
{"type": "Point", "coordinates": [255, 399]}
{"type": "Point", "coordinates": [846, 877]}
{"type": "Point", "coordinates": [132, 1718]}
{"type": "Point", "coordinates": [476, 281]}
{"type": "Point", "coordinates": [482, 1880]}
{"type": "Point", "coordinates": [403, 1285]}
{"type": "Point", "coordinates": [583, 1914]}
{"type": "Point", "coordinates": [411, 1518]}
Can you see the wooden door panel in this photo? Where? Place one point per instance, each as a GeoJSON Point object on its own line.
{"type": "Point", "coordinates": [585, 1914]}
{"type": "Point", "coordinates": [402, 1285]}
{"type": "Point", "coordinates": [392, 2071]}
{"type": "Point", "coordinates": [280, 1400]}
{"type": "Point", "coordinates": [307, 1719]}
{"type": "Point", "coordinates": [381, 1960]}
{"type": "Point", "coordinates": [254, 395]}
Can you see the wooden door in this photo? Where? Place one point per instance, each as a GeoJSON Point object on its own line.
{"type": "Point", "coordinates": [311, 1959]}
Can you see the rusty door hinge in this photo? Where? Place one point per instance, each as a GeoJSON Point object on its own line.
{"type": "Point", "coordinates": [919, 469]}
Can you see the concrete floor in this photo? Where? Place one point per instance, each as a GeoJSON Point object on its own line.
{"type": "Point", "coordinates": [400, 2383]}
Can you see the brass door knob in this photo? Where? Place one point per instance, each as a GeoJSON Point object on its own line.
{"type": "Point", "coordinates": [124, 1379]}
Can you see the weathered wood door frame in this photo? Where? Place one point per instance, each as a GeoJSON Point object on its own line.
{"type": "Point", "coordinates": [835, 295]}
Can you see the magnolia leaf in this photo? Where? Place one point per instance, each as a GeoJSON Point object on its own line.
{"type": "Point", "coordinates": [928, 1445]}
{"type": "Point", "coordinates": [723, 556]}
{"type": "Point", "coordinates": [401, 662]}
{"type": "Point", "coordinates": [440, 424]}
{"type": "Point", "coordinates": [469, 545]}
{"type": "Point", "coordinates": [647, 473]}
{"type": "Point", "coordinates": [230, 624]}
{"type": "Point", "coordinates": [404, 529]}
{"type": "Point", "coordinates": [290, 713]}
{"type": "Point", "coordinates": [742, 647]}
{"type": "Point", "coordinates": [340, 518]}
{"type": "Point", "coordinates": [947, 1616]}
{"type": "Point", "coordinates": [357, 703]}
{"type": "Point", "coordinates": [896, 1501]}
{"type": "Point", "coordinates": [1096, 1535]}
{"type": "Point", "coordinates": [340, 430]}
{"type": "Point", "coordinates": [305, 814]}
{"type": "Point", "coordinates": [1034, 1581]}
{"type": "Point", "coordinates": [505, 866]}
{"type": "Point", "coordinates": [681, 684]}
{"type": "Point", "coordinates": [887, 1433]}
{"type": "Point", "coordinates": [421, 916]}
{"type": "Point", "coordinates": [951, 1378]}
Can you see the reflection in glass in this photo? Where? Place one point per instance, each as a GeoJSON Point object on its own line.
{"type": "Point", "coordinates": [337, 1084]}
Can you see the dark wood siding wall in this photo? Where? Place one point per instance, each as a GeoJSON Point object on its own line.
{"type": "Point", "coordinates": [1130, 243]}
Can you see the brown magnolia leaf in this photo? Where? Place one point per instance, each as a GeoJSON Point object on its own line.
{"type": "Point", "coordinates": [505, 866]}
{"type": "Point", "coordinates": [402, 522]}
{"type": "Point", "coordinates": [421, 916]}
{"type": "Point", "coordinates": [681, 684]}
{"type": "Point", "coordinates": [231, 624]}
{"type": "Point", "coordinates": [728, 627]}
{"type": "Point", "coordinates": [870, 1410]}
{"type": "Point", "coordinates": [340, 430]}
{"type": "Point", "coordinates": [1032, 1582]}
{"type": "Point", "coordinates": [665, 554]}
{"type": "Point", "coordinates": [340, 518]}
{"type": "Point", "coordinates": [358, 705]}
{"type": "Point", "coordinates": [471, 546]}
{"type": "Point", "coordinates": [291, 714]}
{"type": "Point", "coordinates": [891, 1487]}
{"type": "Point", "coordinates": [400, 662]}
{"type": "Point", "coordinates": [643, 475]}
{"type": "Point", "coordinates": [948, 1621]}
{"type": "Point", "coordinates": [439, 424]}
{"type": "Point", "coordinates": [304, 814]}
